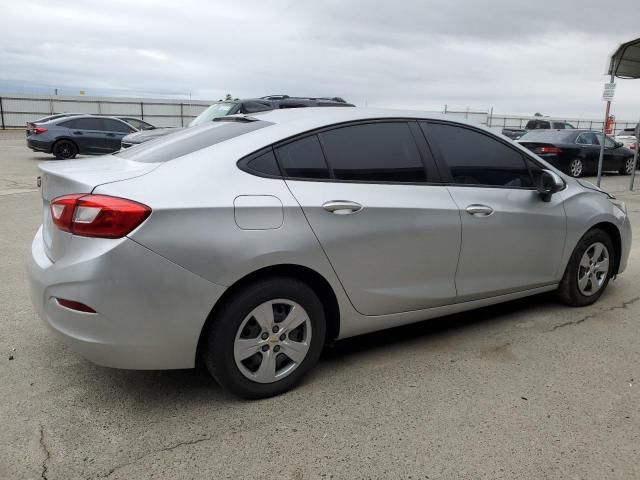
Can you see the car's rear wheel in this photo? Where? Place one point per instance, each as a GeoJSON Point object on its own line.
{"type": "Point", "coordinates": [627, 169]}
{"type": "Point", "coordinates": [64, 149]}
{"type": "Point", "coordinates": [576, 168]}
{"type": "Point", "coordinates": [265, 338]}
{"type": "Point", "coordinates": [589, 269]}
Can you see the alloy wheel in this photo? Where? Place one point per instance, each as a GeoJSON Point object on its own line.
{"type": "Point", "coordinates": [575, 167]}
{"type": "Point", "coordinates": [593, 269]}
{"type": "Point", "coordinates": [628, 166]}
{"type": "Point", "coordinates": [64, 150]}
{"type": "Point", "coordinates": [272, 341]}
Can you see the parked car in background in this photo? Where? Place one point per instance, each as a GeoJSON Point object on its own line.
{"type": "Point", "coordinates": [233, 107]}
{"type": "Point", "coordinates": [576, 152]}
{"type": "Point", "coordinates": [251, 244]}
{"type": "Point", "coordinates": [628, 138]}
{"type": "Point", "coordinates": [137, 123]}
{"type": "Point", "coordinates": [516, 133]}
{"type": "Point", "coordinates": [81, 134]}
{"type": "Point", "coordinates": [48, 118]}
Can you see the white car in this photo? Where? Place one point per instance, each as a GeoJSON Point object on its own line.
{"type": "Point", "coordinates": [628, 138]}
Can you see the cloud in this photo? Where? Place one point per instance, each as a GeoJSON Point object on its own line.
{"type": "Point", "coordinates": [518, 57]}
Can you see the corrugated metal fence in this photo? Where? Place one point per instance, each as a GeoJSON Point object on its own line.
{"type": "Point", "coordinates": [16, 111]}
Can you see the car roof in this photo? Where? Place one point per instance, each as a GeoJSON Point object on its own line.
{"type": "Point", "coordinates": [316, 117]}
{"type": "Point", "coordinates": [81, 116]}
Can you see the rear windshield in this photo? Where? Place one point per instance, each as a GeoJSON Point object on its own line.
{"type": "Point", "coordinates": [548, 136]}
{"type": "Point", "coordinates": [188, 141]}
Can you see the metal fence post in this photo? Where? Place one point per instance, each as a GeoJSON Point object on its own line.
{"type": "Point", "coordinates": [181, 114]}
{"type": "Point", "coordinates": [141, 110]}
{"type": "Point", "coordinates": [2, 114]}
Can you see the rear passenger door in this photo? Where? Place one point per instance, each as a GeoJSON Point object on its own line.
{"type": "Point", "coordinates": [391, 235]}
{"type": "Point", "coordinates": [114, 130]}
{"type": "Point", "coordinates": [88, 134]}
{"type": "Point", "coordinates": [511, 239]}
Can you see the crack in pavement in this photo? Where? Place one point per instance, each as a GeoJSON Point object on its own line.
{"type": "Point", "coordinates": [593, 315]}
{"type": "Point", "coordinates": [164, 449]}
{"type": "Point", "coordinates": [46, 453]}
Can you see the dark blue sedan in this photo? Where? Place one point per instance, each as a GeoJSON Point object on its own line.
{"type": "Point", "coordinates": [67, 137]}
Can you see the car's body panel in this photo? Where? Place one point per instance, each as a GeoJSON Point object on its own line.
{"type": "Point", "coordinates": [526, 252]}
{"type": "Point", "coordinates": [398, 253]}
{"type": "Point", "coordinates": [150, 311]}
{"type": "Point", "coordinates": [206, 233]}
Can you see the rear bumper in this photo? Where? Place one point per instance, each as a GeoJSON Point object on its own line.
{"type": "Point", "coordinates": [150, 311]}
{"type": "Point", "coordinates": [39, 146]}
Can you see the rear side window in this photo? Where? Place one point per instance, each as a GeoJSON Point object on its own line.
{"type": "Point", "coordinates": [84, 124]}
{"type": "Point", "coordinates": [303, 158]}
{"type": "Point", "coordinates": [264, 164]}
{"type": "Point", "coordinates": [474, 158]}
{"type": "Point", "coordinates": [374, 152]}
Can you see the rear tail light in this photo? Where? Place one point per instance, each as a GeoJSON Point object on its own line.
{"type": "Point", "coordinates": [39, 130]}
{"type": "Point", "coordinates": [97, 215]}
{"type": "Point", "coordinates": [633, 146]}
{"type": "Point", "coordinates": [548, 150]}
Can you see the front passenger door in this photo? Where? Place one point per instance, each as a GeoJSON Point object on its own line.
{"type": "Point", "coordinates": [114, 131]}
{"type": "Point", "coordinates": [511, 239]}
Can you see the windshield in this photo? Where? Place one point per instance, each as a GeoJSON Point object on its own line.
{"type": "Point", "coordinates": [215, 110]}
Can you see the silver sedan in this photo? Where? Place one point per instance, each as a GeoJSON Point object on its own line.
{"type": "Point", "coordinates": [252, 241]}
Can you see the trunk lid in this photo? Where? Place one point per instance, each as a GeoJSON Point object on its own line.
{"type": "Point", "coordinates": [65, 177]}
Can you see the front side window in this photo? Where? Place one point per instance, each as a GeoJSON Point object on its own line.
{"type": "Point", "coordinates": [116, 126]}
{"type": "Point", "coordinates": [474, 158]}
{"type": "Point", "coordinates": [374, 152]}
{"type": "Point", "coordinates": [303, 159]}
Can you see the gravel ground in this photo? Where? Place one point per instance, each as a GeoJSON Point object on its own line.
{"type": "Point", "coordinates": [529, 389]}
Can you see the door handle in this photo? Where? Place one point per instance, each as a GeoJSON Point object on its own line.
{"type": "Point", "coordinates": [342, 207]}
{"type": "Point", "coordinates": [77, 133]}
{"type": "Point", "coordinates": [479, 210]}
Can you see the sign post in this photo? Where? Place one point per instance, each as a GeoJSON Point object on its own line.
{"type": "Point", "coordinates": [607, 95]}
{"type": "Point", "coordinates": [635, 157]}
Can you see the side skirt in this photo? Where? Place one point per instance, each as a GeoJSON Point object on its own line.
{"type": "Point", "coordinates": [360, 324]}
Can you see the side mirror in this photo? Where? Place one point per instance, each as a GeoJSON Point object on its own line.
{"type": "Point", "coordinates": [619, 144]}
{"type": "Point", "coordinates": [548, 184]}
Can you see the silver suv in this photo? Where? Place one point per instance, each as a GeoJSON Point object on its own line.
{"type": "Point", "coordinates": [251, 242]}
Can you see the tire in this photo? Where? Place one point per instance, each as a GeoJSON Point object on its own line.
{"type": "Point", "coordinates": [576, 168]}
{"type": "Point", "coordinates": [627, 168]}
{"type": "Point", "coordinates": [573, 290]}
{"type": "Point", "coordinates": [234, 344]}
{"type": "Point", "coordinates": [64, 150]}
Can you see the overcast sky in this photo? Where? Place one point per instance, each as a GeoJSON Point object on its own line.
{"type": "Point", "coordinates": [519, 56]}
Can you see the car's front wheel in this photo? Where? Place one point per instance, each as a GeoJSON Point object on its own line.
{"type": "Point", "coordinates": [265, 338]}
{"type": "Point", "coordinates": [589, 269]}
{"type": "Point", "coordinates": [627, 169]}
{"type": "Point", "coordinates": [64, 149]}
